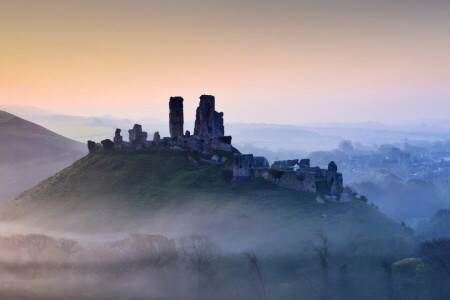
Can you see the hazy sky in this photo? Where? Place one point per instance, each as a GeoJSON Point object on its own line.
{"type": "Point", "coordinates": [265, 61]}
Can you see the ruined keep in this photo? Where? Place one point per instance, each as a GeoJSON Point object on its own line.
{"type": "Point", "coordinates": [208, 122]}
{"type": "Point", "coordinates": [137, 137]}
{"type": "Point", "coordinates": [176, 118]}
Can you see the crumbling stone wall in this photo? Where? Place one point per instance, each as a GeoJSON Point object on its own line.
{"type": "Point", "coordinates": [261, 162]}
{"type": "Point", "coordinates": [299, 181]}
{"type": "Point", "coordinates": [108, 145]}
{"type": "Point", "coordinates": [242, 168]}
{"type": "Point", "coordinates": [334, 179]}
{"type": "Point", "coordinates": [137, 137]}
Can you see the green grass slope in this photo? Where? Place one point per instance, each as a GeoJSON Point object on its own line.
{"type": "Point", "coordinates": [161, 191]}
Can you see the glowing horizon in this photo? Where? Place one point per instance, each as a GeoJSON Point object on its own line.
{"type": "Point", "coordinates": [286, 63]}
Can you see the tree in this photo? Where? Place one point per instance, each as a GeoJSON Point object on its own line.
{"type": "Point", "coordinates": [154, 250]}
{"type": "Point", "coordinates": [346, 146]}
{"type": "Point", "coordinates": [255, 267]}
{"type": "Point", "coordinates": [438, 226]}
{"type": "Point", "coordinates": [386, 264]}
{"type": "Point", "coordinates": [67, 245]}
{"type": "Point", "coordinates": [322, 250]}
{"type": "Point", "coordinates": [413, 279]}
{"type": "Point", "coordinates": [437, 254]}
{"type": "Point", "coordinates": [34, 244]}
{"type": "Point", "coordinates": [200, 252]}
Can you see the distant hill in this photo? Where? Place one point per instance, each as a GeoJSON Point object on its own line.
{"type": "Point", "coordinates": [165, 192]}
{"type": "Point", "coordinates": [29, 153]}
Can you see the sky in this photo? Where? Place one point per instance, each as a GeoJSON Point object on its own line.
{"type": "Point", "coordinates": [286, 62]}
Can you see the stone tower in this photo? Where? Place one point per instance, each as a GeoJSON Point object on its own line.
{"type": "Point", "coordinates": [176, 118]}
{"type": "Point", "coordinates": [118, 140]}
{"type": "Point", "coordinates": [208, 122]}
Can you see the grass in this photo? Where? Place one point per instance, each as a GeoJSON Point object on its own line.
{"type": "Point", "coordinates": [114, 190]}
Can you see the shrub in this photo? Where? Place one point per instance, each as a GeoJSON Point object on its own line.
{"type": "Point", "coordinates": [276, 173]}
{"type": "Point", "coordinates": [301, 177]}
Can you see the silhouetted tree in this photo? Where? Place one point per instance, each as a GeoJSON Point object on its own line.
{"type": "Point", "coordinates": [322, 250]}
{"type": "Point", "coordinates": [154, 250]}
{"type": "Point", "coordinates": [255, 267]}
{"type": "Point", "coordinates": [199, 251]}
{"type": "Point", "coordinates": [34, 244]}
{"type": "Point", "coordinates": [437, 254]}
{"type": "Point", "coordinates": [386, 264]}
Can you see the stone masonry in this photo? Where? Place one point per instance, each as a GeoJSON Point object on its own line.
{"type": "Point", "coordinates": [208, 122]}
{"type": "Point", "coordinates": [176, 118]}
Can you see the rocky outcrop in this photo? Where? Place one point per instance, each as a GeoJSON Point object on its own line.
{"type": "Point", "coordinates": [137, 137]}
{"type": "Point", "coordinates": [176, 117]}
{"type": "Point", "coordinates": [118, 140]}
{"type": "Point", "coordinates": [208, 122]}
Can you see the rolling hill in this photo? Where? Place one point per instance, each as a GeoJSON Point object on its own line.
{"type": "Point", "coordinates": [163, 191]}
{"type": "Point", "coordinates": [30, 153]}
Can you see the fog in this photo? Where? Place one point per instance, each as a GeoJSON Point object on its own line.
{"type": "Point", "coordinates": [242, 248]}
{"type": "Point", "coordinates": [175, 265]}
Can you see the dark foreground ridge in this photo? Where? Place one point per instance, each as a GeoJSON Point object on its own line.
{"type": "Point", "coordinates": [211, 146]}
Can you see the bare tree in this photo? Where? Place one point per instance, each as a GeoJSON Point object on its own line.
{"type": "Point", "coordinates": [199, 251]}
{"type": "Point", "coordinates": [153, 250]}
{"type": "Point", "coordinates": [255, 267]}
{"type": "Point", "coordinates": [68, 246]}
{"type": "Point", "coordinates": [34, 244]}
{"type": "Point", "coordinates": [322, 250]}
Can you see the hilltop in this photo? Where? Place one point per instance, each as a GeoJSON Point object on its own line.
{"type": "Point", "coordinates": [163, 191]}
{"type": "Point", "coordinates": [29, 153]}
{"type": "Point", "coordinates": [196, 183]}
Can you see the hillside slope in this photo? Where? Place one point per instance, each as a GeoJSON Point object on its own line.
{"type": "Point", "coordinates": [160, 191]}
{"type": "Point", "coordinates": [30, 153]}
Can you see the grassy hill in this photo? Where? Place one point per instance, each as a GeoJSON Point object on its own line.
{"type": "Point", "coordinates": [161, 191]}
{"type": "Point", "coordinates": [24, 141]}
{"type": "Point", "coordinates": [30, 153]}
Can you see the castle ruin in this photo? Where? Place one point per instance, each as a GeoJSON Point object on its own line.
{"type": "Point", "coordinates": [209, 142]}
